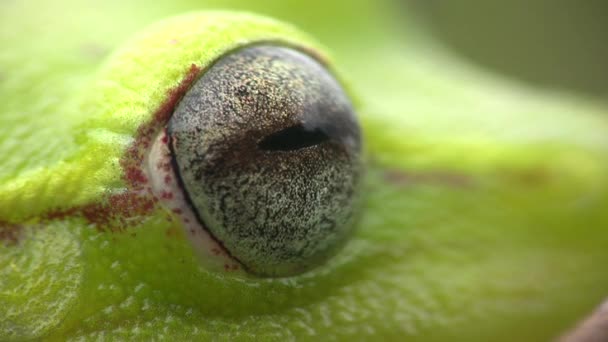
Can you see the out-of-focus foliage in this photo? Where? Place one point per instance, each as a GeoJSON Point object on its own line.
{"type": "Point", "coordinates": [555, 44]}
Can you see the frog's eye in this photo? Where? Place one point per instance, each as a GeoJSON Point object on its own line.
{"type": "Point", "coordinates": [267, 151]}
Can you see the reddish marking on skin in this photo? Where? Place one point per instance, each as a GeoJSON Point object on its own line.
{"type": "Point", "coordinates": [166, 195]}
{"type": "Point", "coordinates": [165, 139]}
{"type": "Point", "coordinates": [62, 214]}
{"type": "Point", "coordinates": [10, 233]}
{"type": "Point", "coordinates": [135, 176]}
{"type": "Point", "coordinates": [163, 166]}
{"type": "Point", "coordinates": [452, 179]}
{"type": "Point", "coordinates": [167, 179]}
{"type": "Point", "coordinates": [128, 204]}
{"type": "Point", "coordinates": [132, 160]}
{"type": "Point", "coordinates": [177, 210]}
{"type": "Point", "coordinates": [116, 212]}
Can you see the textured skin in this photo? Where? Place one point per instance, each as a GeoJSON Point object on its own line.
{"type": "Point", "coordinates": [485, 201]}
{"type": "Point", "coordinates": [277, 212]}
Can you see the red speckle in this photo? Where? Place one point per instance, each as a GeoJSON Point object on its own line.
{"type": "Point", "coordinates": [166, 195]}
{"type": "Point", "coordinates": [177, 210]}
{"type": "Point", "coordinates": [163, 166]}
{"type": "Point", "coordinates": [119, 207]}
{"type": "Point", "coordinates": [112, 213]}
{"type": "Point", "coordinates": [133, 158]}
{"type": "Point", "coordinates": [62, 214]}
{"type": "Point", "coordinates": [115, 212]}
{"type": "Point", "coordinates": [165, 139]}
{"type": "Point", "coordinates": [10, 233]}
{"type": "Point", "coordinates": [167, 179]}
{"type": "Point", "coordinates": [135, 176]}
{"type": "Point", "coordinates": [164, 112]}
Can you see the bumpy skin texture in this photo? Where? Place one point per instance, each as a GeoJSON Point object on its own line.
{"type": "Point", "coordinates": [485, 209]}
{"type": "Point", "coordinates": [269, 151]}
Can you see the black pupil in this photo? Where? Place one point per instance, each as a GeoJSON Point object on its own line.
{"type": "Point", "coordinates": [293, 138]}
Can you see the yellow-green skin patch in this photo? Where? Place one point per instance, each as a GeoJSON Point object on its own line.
{"type": "Point", "coordinates": [485, 214]}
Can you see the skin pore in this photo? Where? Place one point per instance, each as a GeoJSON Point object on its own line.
{"type": "Point", "coordinates": [484, 202]}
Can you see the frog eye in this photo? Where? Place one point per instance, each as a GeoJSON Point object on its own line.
{"type": "Point", "coordinates": [267, 151]}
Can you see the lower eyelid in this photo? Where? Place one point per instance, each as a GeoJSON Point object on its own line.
{"type": "Point", "coordinates": [166, 188]}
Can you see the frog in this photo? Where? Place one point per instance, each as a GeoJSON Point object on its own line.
{"type": "Point", "coordinates": [482, 208]}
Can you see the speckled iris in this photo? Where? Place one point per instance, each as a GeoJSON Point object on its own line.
{"type": "Point", "coordinates": [268, 150]}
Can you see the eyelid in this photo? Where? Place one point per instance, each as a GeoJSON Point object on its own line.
{"type": "Point", "coordinates": [165, 185]}
{"type": "Point", "coordinates": [136, 80]}
{"type": "Point", "coordinates": [138, 87]}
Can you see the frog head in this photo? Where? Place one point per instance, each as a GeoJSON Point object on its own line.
{"type": "Point", "coordinates": [481, 214]}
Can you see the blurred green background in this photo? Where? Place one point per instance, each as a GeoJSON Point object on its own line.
{"type": "Point", "coordinates": [556, 44]}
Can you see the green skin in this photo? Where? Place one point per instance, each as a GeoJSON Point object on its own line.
{"type": "Point", "coordinates": [484, 214]}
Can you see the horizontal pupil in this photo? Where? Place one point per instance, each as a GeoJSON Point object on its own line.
{"type": "Point", "coordinates": [293, 138]}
